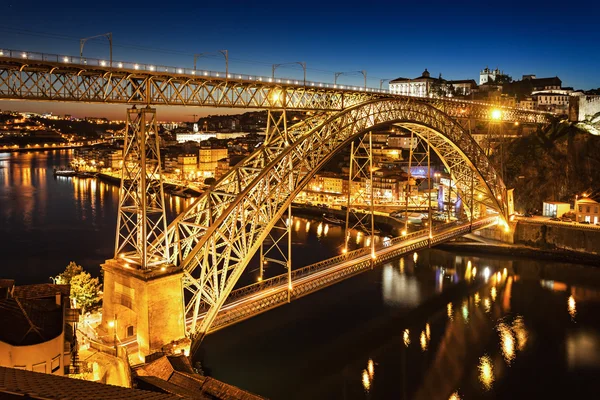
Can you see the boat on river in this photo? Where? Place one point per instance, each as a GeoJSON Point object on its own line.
{"type": "Point", "coordinates": [333, 220]}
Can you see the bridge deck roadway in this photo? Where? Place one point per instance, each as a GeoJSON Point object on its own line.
{"type": "Point", "coordinates": [51, 77]}
{"type": "Point", "coordinates": [255, 299]}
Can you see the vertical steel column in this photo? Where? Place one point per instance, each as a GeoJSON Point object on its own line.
{"type": "Point", "coordinates": [348, 203]}
{"type": "Point", "coordinates": [429, 186]}
{"type": "Point", "coordinates": [141, 222]}
{"type": "Point", "coordinates": [410, 156]}
{"type": "Point", "coordinates": [372, 197]}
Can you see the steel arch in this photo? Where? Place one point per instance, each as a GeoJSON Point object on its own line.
{"type": "Point", "coordinates": [216, 237]}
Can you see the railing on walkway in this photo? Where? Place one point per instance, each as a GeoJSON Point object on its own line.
{"type": "Point", "coordinates": [276, 289]}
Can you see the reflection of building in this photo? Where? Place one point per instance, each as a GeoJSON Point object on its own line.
{"type": "Point", "coordinates": [588, 210]}
{"type": "Point", "coordinates": [35, 335]}
{"type": "Point", "coordinates": [555, 209]}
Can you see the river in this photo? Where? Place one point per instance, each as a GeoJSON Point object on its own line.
{"type": "Point", "coordinates": [418, 327]}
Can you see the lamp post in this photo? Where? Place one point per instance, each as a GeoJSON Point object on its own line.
{"type": "Point", "coordinates": [106, 35]}
{"type": "Point", "coordinates": [300, 63]}
{"type": "Point", "coordinates": [381, 83]}
{"type": "Point", "coordinates": [113, 325]}
{"type": "Point", "coordinates": [224, 53]}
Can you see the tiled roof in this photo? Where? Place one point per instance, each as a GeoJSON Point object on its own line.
{"type": "Point", "coordinates": [31, 321]}
{"type": "Point", "coordinates": [46, 386]}
{"type": "Point", "coordinates": [40, 290]}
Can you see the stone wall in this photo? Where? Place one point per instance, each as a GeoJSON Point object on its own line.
{"type": "Point", "coordinates": [562, 237]}
{"type": "Point", "coordinates": [582, 108]}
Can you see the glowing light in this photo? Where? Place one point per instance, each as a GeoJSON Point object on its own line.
{"type": "Point", "coordinates": [373, 255]}
{"type": "Point", "coordinates": [428, 331]}
{"type": "Point", "coordinates": [454, 396]}
{"type": "Point", "coordinates": [344, 250]}
{"type": "Point", "coordinates": [496, 114]}
{"type": "Point", "coordinates": [260, 278]}
{"type": "Point", "coordinates": [163, 269]}
{"type": "Point", "coordinates": [423, 341]}
{"type": "Point", "coordinates": [366, 381]}
{"type": "Point", "coordinates": [136, 66]}
{"type": "Point", "coordinates": [572, 307]}
{"type": "Point", "coordinates": [449, 311]}
{"type": "Point", "coordinates": [415, 257]}
{"type": "Point", "coordinates": [307, 226]}
{"type": "Point", "coordinates": [326, 230]}
{"type": "Point", "coordinates": [120, 65]}
{"type": "Point", "coordinates": [507, 343]}
{"type": "Point", "coordinates": [477, 299]}
{"type": "Point", "coordinates": [486, 372]}
{"type": "Point", "coordinates": [290, 286]}
{"type": "Point", "coordinates": [111, 324]}
{"type": "Point", "coordinates": [474, 272]}
{"type": "Point", "coordinates": [486, 273]}
{"type": "Point", "coordinates": [275, 96]}
{"type": "Point", "coordinates": [487, 305]}
{"type": "Point", "coordinates": [493, 293]}
{"type": "Point", "coordinates": [371, 367]}
{"type": "Point", "coordinates": [465, 312]}
{"type": "Point", "coordinates": [66, 59]}
{"type": "Point", "coordinates": [498, 276]}
{"type": "Point", "coordinates": [518, 327]}
{"type": "Point", "coordinates": [404, 233]}
{"type": "Point", "coordinates": [406, 337]}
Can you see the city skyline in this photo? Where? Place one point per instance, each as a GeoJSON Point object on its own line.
{"type": "Point", "coordinates": [456, 41]}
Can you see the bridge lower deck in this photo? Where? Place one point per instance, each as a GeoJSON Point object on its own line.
{"type": "Point", "coordinates": [255, 299]}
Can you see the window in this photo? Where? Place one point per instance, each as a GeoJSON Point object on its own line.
{"type": "Point", "coordinates": [596, 210]}
{"type": "Point", "coordinates": [130, 331]}
{"type": "Point", "coordinates": [56, 363]}
{"type": "Point", "coordinates": [587, 209]}
{"type": "Point", "coordinates": [580, 208]}
{"type": "Point", "coordinates": [41, 367]}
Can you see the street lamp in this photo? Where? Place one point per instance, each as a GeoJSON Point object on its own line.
{"type": "Point", "coordinates": [106, 35]}
{"type": "Point", "coordinates": [337, 74]}
{"type": "Point", "coordinates": [381, 83]}
{"type": "Point", "coordinates": [300, 63]}
{"type": "Point", "coordinates": [224, 53]}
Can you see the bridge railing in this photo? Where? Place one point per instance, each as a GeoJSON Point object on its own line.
{"type": "Point", "coordinates": [158, 69]}
{"type": "Point", "coordinates": [203, 73]}
{"type": "Point", "coordinates": [282, 280]}
{"type": "Point", "coordinates": [443, 232]}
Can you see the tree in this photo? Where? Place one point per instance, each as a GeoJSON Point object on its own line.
{"type": "Point", "coordinates": [85, 291]}
{"type": "Point", "coordinates": [65, 277]}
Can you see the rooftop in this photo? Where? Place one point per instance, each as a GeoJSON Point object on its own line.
{"type": "Point", "coordinates": [35, 385]}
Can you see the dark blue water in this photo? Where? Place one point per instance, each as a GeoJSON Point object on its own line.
{"type": "Point", "coordinates": [404, 330]}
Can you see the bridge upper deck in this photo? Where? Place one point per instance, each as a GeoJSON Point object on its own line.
{"type": "Point", "coordinates": [50, 77]}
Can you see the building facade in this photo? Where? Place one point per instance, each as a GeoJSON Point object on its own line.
{"type": "Point", "coordinates": [587, 210]}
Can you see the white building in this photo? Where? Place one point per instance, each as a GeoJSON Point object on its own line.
{"type": "Point", "coordinates": [420, 86]}
{"type": "Point", "coordinates": [487, 75]}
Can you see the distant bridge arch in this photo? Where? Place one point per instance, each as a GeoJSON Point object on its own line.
{"type": "Point", "coordinates": [215, 238]}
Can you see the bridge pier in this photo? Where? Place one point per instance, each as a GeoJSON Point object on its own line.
{"type": "Point", "coordinates": [144, 304]}
{"type": "Point", "coordinates": [143, 290]}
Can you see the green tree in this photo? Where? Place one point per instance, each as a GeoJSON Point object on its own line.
{"type": "Point", "coordinates": [65, 277]}
{"type": "Point", "coordinates": [85, 291]}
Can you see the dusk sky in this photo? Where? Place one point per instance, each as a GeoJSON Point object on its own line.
{"type": "Point", "coordinates": [387, 39]}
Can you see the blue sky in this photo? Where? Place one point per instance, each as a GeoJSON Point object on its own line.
{"type": "Point", "coordinates": [387, 39]}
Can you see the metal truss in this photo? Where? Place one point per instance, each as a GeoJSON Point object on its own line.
{"type": "Point", "coordinates": [47, 77]}
{"type": "Point", "coordinates": [244, 303]}
{"type": "Point", "coordinates": [361, 170]}
{"type": "Point", "coordinates": [216, 237]}
{"type": "Point", "coordinates": [141, 222]}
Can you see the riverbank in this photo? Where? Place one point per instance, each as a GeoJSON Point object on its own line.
{"type": "Point", "coordinates": [43, 148]}
{"type": "Point", "coordinates": [521, 251]}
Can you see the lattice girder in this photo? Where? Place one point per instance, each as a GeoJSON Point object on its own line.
{"type": "Point", "coordinates": [218, 235]}
{"type": "Point", "coordinates": [28, 79]}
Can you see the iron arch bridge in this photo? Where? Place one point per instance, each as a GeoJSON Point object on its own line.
{"type": "Point", "coordinates": [214, 240]}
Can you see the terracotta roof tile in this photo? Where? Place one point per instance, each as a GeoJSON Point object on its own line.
{"type": "Point", "coordinates": [47, 386]}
